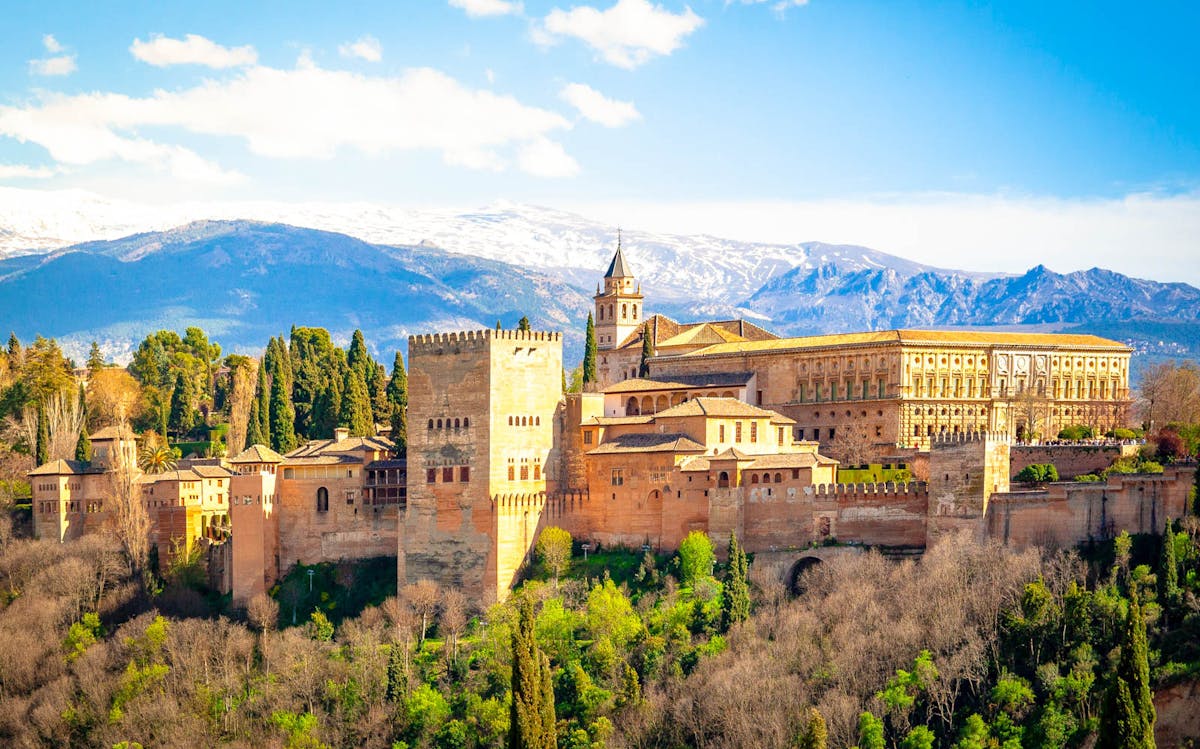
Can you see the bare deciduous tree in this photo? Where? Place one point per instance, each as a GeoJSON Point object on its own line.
{"type": "Point", "coordinates": [423, 596]}
{"type": "Point", "coordinates": [127, 514]}
{"type": "Point", "coordinates": [453, 619]}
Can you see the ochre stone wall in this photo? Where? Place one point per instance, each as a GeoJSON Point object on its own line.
{"type": "Point", "coordinates": [255, 554]}
{"type": "Point", "coordinates": [1070, 460]}
{"type": "Point", "coordinates": [1069, 513]}
{"type": "Point", "coordinates": [349, 529]}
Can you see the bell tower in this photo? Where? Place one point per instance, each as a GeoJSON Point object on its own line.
{"type": "Point", "coordinates": [619, 305]}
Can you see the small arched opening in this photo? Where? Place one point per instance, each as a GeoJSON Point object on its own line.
{"type": "Point", "coordinates": [798, 576]}
{"type": "Point", "coordinates": [631, 407]}
{"type": "Point", "coordinates": [723, 480]}
{"type": "Point", "coordinates": [322, 500]}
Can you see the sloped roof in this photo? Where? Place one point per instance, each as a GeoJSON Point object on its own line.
{"type": "Point", "coordinates": [647, 443]}
{"type": "Point", "coordinates": [722, 408]}
{"type": "Point", "coordinates": [898, 336]}
{"type": "Point", "coordinates": [663, 329]}
{"type": "Point", "coordinates": [618, 268]}
{"type": "Point", "coordinates": [682, 382]}
{"type": "Point", "coordinates": [257, 454]}
{"type": "Point", "coordinates": [212, 472]}
{"type": "Point", "coordinates": [184, 475]}
{"type": "Point", "coordinates": [63, 468]}
{"type": "Point", "coordinates": [701, 335]}
{"type": "Point", "coordinates": [606, 421]}
{"type": "Point", "coordinates": [790, 460]}
{"type": "Point", "coordinates": [112, 433]}
{"type": "Point", "coordinates": [350, 444]}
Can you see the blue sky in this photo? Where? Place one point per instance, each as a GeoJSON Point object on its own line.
{"type": "Point", "coordinates": [897, 124]}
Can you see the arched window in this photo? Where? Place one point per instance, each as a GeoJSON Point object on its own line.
{"type": "Point", "coordinates": [624, 311]}
{"type": "Point", "coordinates": [635, 312]}
{"type": "Point", "coordinates": [601, 311]}
{"type": "Point", "coordinates": [631, 407]}
{"type": "Point", "coordinates": [723, 480]}
{"type": "Point", "coordinates": [439, 423]}
{"type": "Point", "coordinates": [524, 421]}
{"type": "Point", "coordinates": [610, 311]}
{"type": "Point", "coordinates": [510, 421]}
{"type": "Point", "coordinates": [431, 423]}
{"type": "Point", "coordinates": [766, 478]}
{"type": "Point", "coordinates": [754, 478]}
{"type": "Point", "coordinates": [537, 421]}
{"type": "Point", "coordinates": [466, 422]}
{"type": "Point", "coordinates": [778, 478]}
{"type": "Point", "coordinates": [322, 500]}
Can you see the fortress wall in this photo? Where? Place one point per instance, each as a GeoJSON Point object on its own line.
{"type": "Point", "coordinates": [1068, 513]}
{"type": "Point", "coordinates": [348, 530]}
{"type": "Point", "coordinates": [1070, 460]}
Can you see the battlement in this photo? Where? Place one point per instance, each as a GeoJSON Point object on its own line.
{"type": "Point", "coordinates": [873, 489]}
{"type": "Point", "coordinates": [946, 438]}
{"type": "Point", "coordinates": [475, 340]}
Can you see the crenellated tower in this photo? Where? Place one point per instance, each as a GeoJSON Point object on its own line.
{"type": "Point", "coordinates": [619, 305]}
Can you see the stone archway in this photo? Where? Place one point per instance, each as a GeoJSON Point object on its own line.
{"type": "Point", "coordinates": [796, 578]}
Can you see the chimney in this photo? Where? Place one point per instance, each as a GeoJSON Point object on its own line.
{"type": "Point", "coordinates": [341, 433]}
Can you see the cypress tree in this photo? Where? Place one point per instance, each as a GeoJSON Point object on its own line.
{"type": "Point", "coordinates": [647, 351]}
{"type": "Point", "coordinates": [531, 723]}
{"type": "Point", "coordinates": [14, 347]}
{"type": "Point", "coordinates": [358, 357]}
{"type": "Point", "coordinates": [381, 407]}
{"type": "Point", "coordinates": [283, 419]}
{"type": "Point", "coordinates": [589, 352]}
{"type": "Point", "coordinates": [42, 449]}
{"type": "Point", "coordinates": [1127, 721]}
{"type": "Point", "coordinates": [355, 413]}
{"type": "Point", "coordinates": [254, 433]}
{"type": "Point", "coordinates": [182, 416]}
{"type": "Point", "coordinates": [523, 324]}
{"type": "Point", "coordinates": [1169, 572]}
{"type": "Point", "coordinates": [327, 409]}
{"type": "Point", "coordinates": [735, 604]}
{"type": "Point", "coordinates": [83, 447]}
{"type": "Point", "coordinates": [263, 395]}
{"type": "Point", "coordinates": [397, 395]}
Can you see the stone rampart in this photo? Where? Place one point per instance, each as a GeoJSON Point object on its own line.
{"type": "Point", "coordinates": [1071, 460]}
{"type": "Point", "coordinates": [1068, 513]}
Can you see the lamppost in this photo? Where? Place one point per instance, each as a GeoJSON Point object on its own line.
{"type": "Point", "coordinates": [310, 579]}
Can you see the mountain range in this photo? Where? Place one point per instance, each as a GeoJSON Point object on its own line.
{"type": "Point", "coordinates": [405, 271]}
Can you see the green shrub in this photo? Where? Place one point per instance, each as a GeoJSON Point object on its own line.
{"type": "Point", "coordinates": [1121, 434]}
{"type": "Point", "coordinates": [1036, 473]}
{"type": "Point", "coordinates": [1076, 432]}
{"type": "Point", "coordinates": [1087, 478]}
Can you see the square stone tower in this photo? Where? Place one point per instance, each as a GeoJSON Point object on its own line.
{"type": "Point", "coordinates": [481, 438]}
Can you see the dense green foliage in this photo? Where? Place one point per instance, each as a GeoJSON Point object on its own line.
{"type": "Point", "coordinates": [589, 351]}
{"type": "Point", "coordinates": [1037, 473]}
{"type": "Point", "coordinates": [647, 351]}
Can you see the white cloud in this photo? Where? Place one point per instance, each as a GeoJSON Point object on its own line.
{"type": "Point", "coordinates": [21, 171]}
{"type": "Point", "coordinates": [1141, 235]}
{"type": "Point", "coordinates": [56, 64]}
{"type": "Point", "coordinates": [627, 35]}
{"type": "Point", "coordinates": [303, 113]}
{"type": "Point", "coordinates": [545, 158]}
{"type": "Point", "coordinates": [596, 107]}
{"type": "Point", "coordinates": [367, 48]}
{"type": "Point", "coordinates": [482, 8]}
{"type": "Point", "coordinates": [193, 49]}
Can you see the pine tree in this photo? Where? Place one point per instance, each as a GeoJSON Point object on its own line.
{"type": "Point", "coordinates": [735, 604]}
{"type": "Point", "coordinates": [523, 324]}
{"type": "Point", "coordinates": [1127, 721]}
{"type": "Point", "coordinates": [14, 349]}
{"type": "Point", "coordinates": [647, 352]}
{"type": "Point", "coordinates": [1169, 568]}
{"type": "Point", "coordinates": [589, 352]}
{"type": "Point", "coordinates": [95, 360]}
{"type": "Point", "coordinates": [327, 408]}
{"type": "Point", "coordinates": [531, 722]}
{"type": "Point", "coordinates": [283, 418]}
{"type": "Point", "coordinates": [381, 407]}
{"type": "Point", "coordinates": [355, 413]}
{"type": "Point", "coordinates": [42, 449]}
{"type": "Point", "coordinates": [397, 395]}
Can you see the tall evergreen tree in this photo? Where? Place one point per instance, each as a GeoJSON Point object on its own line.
{"type": "Point", "coordinates": [523, 324]}
{"type": "Point", "coordinates": [1127, 721]}
{"type": "Point", "coordinates": [95, 360]}
{"type": "Point", "coordinates": [1169, 568]}
{"type": "Point", "coordinates": [182, 417]}
{"type": "Point", "coordinates": [358, 357]}
{"type": "Point", "coordinates": [814, 734]}
{"type": "Point", "coordinates": [735, 604]}
{"type": "Point", "coordinates": [355, 413]}
{"type": "Point", "coordinates": [14, 347]}
{"type": "Point", "coordinates": [262, 394]}
{"type": "Point", "coordinates": [647, 351]}
{"type": "Point", "coordinates": [381, 407]}
{"type": "Point", "coordinates": [531, 723]}
{"type": "Point", "coordinates": [283, 419]}
{"type": "Point", "coordinates": [589, 352]}
{"type": "Point", "coordinates": [42, 449]}
{"type": "Point", "coordinates": [397, 395]}
{"type": "Point", "coordinates": [327, 410]}
{"type": "Point", "coordinates": [83, 447]}
{"type": "Point", "coordinates": [254, 433]}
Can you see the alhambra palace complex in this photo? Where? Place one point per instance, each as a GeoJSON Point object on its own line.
{"type": "Point", "coordinates": [734, 430]}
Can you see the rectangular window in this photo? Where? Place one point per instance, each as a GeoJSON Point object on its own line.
{"type": "Point", "coordinates": [430, 475]}
{"type": "Point", "coordinates": [760, 397]}
{"type": "Point", "coordinates": [447, 475]}
{"type": "Point", "coordinates": [537, 472]}
{"type": "Point", "coordinates": [833, 391]}
{"type": "Point", "coordinates": [618, 477]}
{"type": "Point", "coordinates": [780, 436]}
{"type": "Point", "coordinates": [587, 436]}
{"type": "Point", "coordinates": [464, 473]}
{"type": "Point", "coordinates": [816, 434]}
{"type": "Point", "coordinates": [524, 473]}
{"type": "Point", "coordinates": [737, 431]}
{"type": "Point", "coordinates": [800, 434]}
{"type": "Point", "coordinates": [721, 433]}
{"type": "Point", "coordinates": [802, 392]}
{"type": "Point", "coordinates": [831, 433]}
{"type": "Point", "coordinates": [754, 431]}
{"type": "Point", "coordinates": [512, 471]}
